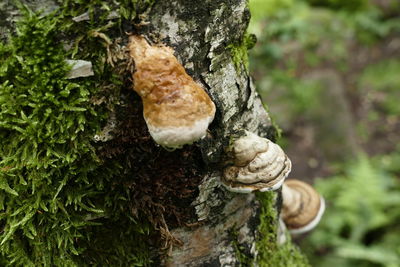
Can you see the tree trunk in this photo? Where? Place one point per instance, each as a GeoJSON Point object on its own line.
{"type": "Point", "coordinates": [201, 35]}
{"type": "Point", "coordinates": [193, 220]}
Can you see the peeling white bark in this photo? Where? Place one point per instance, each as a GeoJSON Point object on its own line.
{"type": "Point", "coordinates": [80, 68]}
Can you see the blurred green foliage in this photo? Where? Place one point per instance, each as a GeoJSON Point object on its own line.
{"type": "Point", "coordinates": [360, 226]}
{"type": "Point", "coordinates": [294, 37]}
{"type": "Point", "coordinates": [383, 79]}
{"type": "Point", "coordinates": [262, 8]}
{"type": "Point", "coordinates": [341, 4]}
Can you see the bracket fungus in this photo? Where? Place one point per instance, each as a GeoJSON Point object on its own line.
{"type": "Point", "coordinates": [176, 109]}
{"type": "Point", "coordinates": [259, 165]}
{"type": "Point", "coordinates": [302, 207]}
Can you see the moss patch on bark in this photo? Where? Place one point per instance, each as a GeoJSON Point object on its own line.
{"type": "Point", "coordinates": [239, 50]}
{"type": "Point", "coordinates": [271, 254]}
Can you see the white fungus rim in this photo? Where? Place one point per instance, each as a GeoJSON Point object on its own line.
{"type": "Point", "coordinates": [245, 189]}
{"type": "Point", "coordinates": [176, 137]}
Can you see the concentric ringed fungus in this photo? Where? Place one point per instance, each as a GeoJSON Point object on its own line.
{"type": "Point", "coordinates": [259, 165]}
{"type": "Point", "coordinates": [302, 207]}
{"type": "Point", "coordinates": [176, 109]}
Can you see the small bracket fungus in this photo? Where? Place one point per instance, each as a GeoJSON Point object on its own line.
{"type": "Point", "coordinates": [259, 165]}
{"type": "Point", "coordinates": [177, 110]}
{"type": "Point", "coordinates": [302, 206]}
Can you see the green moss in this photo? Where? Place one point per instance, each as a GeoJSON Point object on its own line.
{"type": "Point", "coordinates": [129, 9]}
{"type": "Point", "coordinates": [60, 204]}
{"type": "Point", "coordinates": [126, 9]}
{"type": "Point", "coordinates": [239, 52]}
{"type": "Point", "coordinates": [270, 253]}
{"type": "Point", "coordinates": [242, 257]}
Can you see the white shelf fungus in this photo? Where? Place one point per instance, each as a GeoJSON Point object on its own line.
{"type": "Point", "coordinates": [259, 165]}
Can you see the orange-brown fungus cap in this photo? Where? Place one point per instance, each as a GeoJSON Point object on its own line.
{"type": "Point", "coordinates": [177, 110]}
